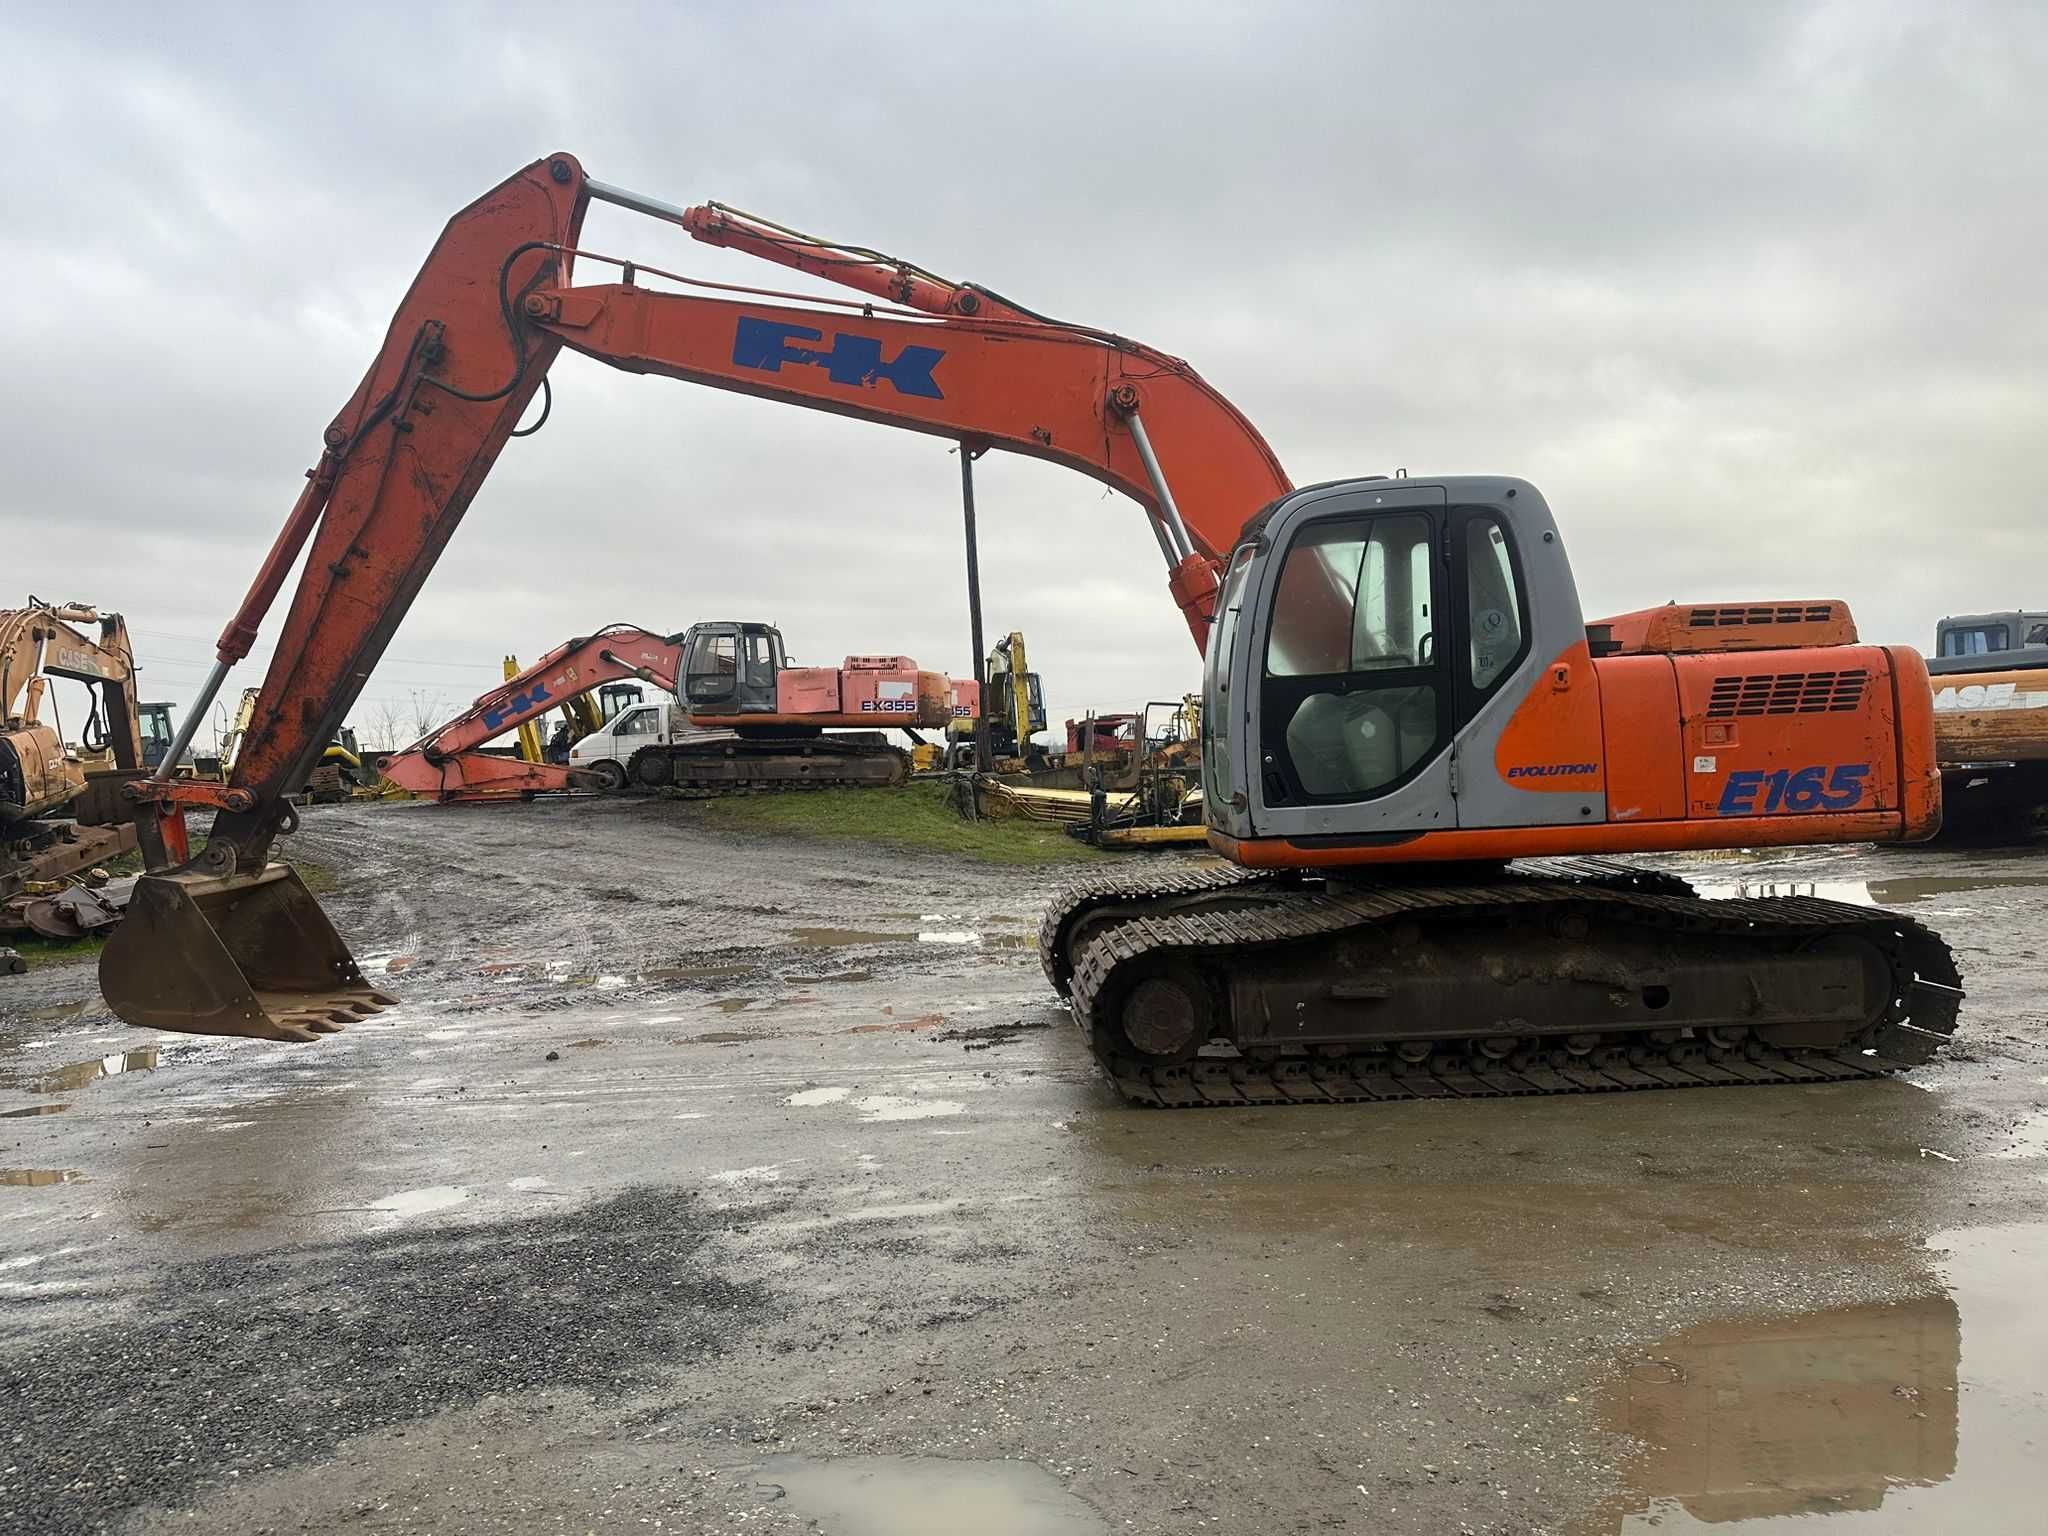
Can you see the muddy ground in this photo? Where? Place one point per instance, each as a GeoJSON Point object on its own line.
{"type": "Point", "coordinates": [708, 1184]}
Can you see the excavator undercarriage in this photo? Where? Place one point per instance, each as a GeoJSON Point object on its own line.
{"type": "Point", "coordinates": [1552, 976]}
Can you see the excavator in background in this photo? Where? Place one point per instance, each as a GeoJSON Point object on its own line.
{"type": "Point", "coordinates": [343, 767]}
{"type": "Point", "coordinates": [1412, 756]}
{"type": "Point", "coordinates": [56, 821]}
{"type": "Point", "coordinates": [1015, 698]}
{"type": "Point", "coordinates": [1990, 673]}
{"type": "Point", "coordinates": [748, 719]}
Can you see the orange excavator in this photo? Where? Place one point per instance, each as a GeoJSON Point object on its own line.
{"type": "Point", "coordinates": [757, 719]}
{"type": "Point", "coordinates": [1415, 748]}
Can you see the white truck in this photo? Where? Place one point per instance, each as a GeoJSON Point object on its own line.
{"type": "Point", "coordinates": [606, 750]}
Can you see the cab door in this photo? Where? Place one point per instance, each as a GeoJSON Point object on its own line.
{"type": "Point", "coordinates": [1355, 701]}
{"type": "Point", "coordinates": [711, 671]}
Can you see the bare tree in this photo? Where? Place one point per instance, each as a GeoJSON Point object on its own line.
{"type": "Point", "coordinates": [387, 720]}
{"type": "Point", "coordinates": [428, 710]}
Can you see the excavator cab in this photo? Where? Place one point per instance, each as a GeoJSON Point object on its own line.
{"type": "Point", "coordinates": [157, 733]}
{"type": "Point", "coordinates": [613, 697]}
{"type": "Point", "coordinates": [730, 669]}
{"type": "Point", "coordinates": [1371, 635]}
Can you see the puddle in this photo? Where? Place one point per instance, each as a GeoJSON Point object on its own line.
{"type": "Point", "coordinates": [33, 1109]}
{"type": "Point", "coordinates": [2029, 1137]}
{"type": "Point", "coordinates": [949, 936]}
{"type": "Point", "coordinates": [1855, 892]}
{"type": "Point", "coordinates": [417, 1202]}
{"type": "Point", "coordinates": [926, 1496]}
{"type": "Point", "coordinates": [1901, 891]}
{"type": "Point", "coordinates": [761, 1173]}
{"type": "Point", "coordinates": [1909, 1417]}
{"type": "Point", "coordinates": [40, 1176]}
{"type": "Point", "coordinates": [810, 1098]}
{"type": "Point", "coordinates": [1891, 893]}
{"type": "Point", "coordinates": [885, 1106]}
{"type": "Point", "coordinates": [81, 1073]}
{"type": "Point", "coordinates": [694, 972]}
{"type": "Point", "coordinates": [734, 1004]}
{"type": "Point", "coordinates": [58, 1011]}
{"type": "Point", "coordinates": [826, 938]}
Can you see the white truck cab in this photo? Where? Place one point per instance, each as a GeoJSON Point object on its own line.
{"type": "Point", "coordinates": [606, 750]}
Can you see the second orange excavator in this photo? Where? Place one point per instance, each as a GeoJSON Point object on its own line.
{"type": "Point", "coordinates": [754, 719]}
{"type": "Point", "coordinates": [1403, 706]}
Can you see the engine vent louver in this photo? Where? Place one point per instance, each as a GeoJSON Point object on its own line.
{"type": "Point", "coordinates": [1744, 615]}
{"type": "Point", "coordinates": [1786, 693]}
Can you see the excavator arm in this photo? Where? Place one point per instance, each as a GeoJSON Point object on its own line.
{"type": "Point", "coordinates": [448, 763]}
{"type": "Point", "coordinates": [471, 344]}
{"type": "Point", "coordinates": [228, 943]}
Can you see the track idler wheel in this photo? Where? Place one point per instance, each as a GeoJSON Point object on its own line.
{"type": "Point", "coordinates": [1167, 1017]}
{"type": "Point", "coordinates": [650, 768]}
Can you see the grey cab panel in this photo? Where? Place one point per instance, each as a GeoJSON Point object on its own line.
{"type": "Point", "coordinates": [1372, 640]}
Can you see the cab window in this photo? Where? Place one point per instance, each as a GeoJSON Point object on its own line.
{"type": "Point", "coordinates": [760, 660]}
{"type": "Point", "coordinates": [1354, 702]}
{"type": "Point", "coordinates": [1979, 640]}
{"type": "Point", "coordinates": [641, 722]}
{"type": "Point", "coordinates": [1495, 622]}
{"type": "Point", "coordinates": [714, 663]}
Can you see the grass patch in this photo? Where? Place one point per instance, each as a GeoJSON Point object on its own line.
{"type": "Point", "coordinates": [918, 816]}
{"type": "Point", "coordinates": [319, 878]}
{"type": "Point", "coordinates": [41, 954]}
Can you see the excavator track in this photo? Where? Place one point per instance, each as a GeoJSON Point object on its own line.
{"type": "Point", "coordinates": [1246, 956]}
{"type": "Point", "coordinates": [742, 762]}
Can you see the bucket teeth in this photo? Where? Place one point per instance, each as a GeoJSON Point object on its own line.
{"type": "Point", "coordinates": [249, 955]}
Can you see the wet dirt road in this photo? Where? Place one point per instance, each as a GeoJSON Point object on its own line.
{"type": "Point", "coordinates": [706, 1184]}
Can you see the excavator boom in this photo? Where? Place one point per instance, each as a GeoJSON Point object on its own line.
{"type": "Point", "coordinates": [447, 763]}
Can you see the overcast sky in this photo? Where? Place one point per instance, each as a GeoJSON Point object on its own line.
{"type": "Point", "coordinates": [1754, 293]}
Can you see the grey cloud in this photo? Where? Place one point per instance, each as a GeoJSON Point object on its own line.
{"type": "Point", "coordinates": [1750, 290]}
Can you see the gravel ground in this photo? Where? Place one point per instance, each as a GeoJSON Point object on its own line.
{"type": "Point", "coordinates": [705, 1182]}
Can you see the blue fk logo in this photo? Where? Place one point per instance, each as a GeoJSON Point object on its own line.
{"type": "Point", "coordinates": [519, 706]}
{"type": "Point", "coordinates": [851, 359]}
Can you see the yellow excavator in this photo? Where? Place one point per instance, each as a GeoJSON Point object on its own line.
{"type": "Point", "coordinates": [1013, 701]}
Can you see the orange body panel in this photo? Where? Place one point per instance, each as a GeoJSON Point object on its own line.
{"type": "Point", "coordinates": [1679, 629]}
{"type": "Point", "coordinates": [1697, 751]}
{"type": "Point", "coordinates": [1918, 743]}
{"type": "Point", "coordinates": [1639, 718]}
{"type": "Point", "coordinates": [869, 690]}
{"type": "Point", "coordinates": [1770, 713]}
{"type": "Point", "coordinates": [807, 691]}
{"type": "Point", "coordinates": [1556, 731]}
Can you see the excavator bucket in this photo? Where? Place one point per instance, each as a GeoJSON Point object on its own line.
{"type": "Point", "coordinates": [234, 955]}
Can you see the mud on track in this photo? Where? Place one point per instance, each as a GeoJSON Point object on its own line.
{"type": "Point", "coordinates": [820, 1216]}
